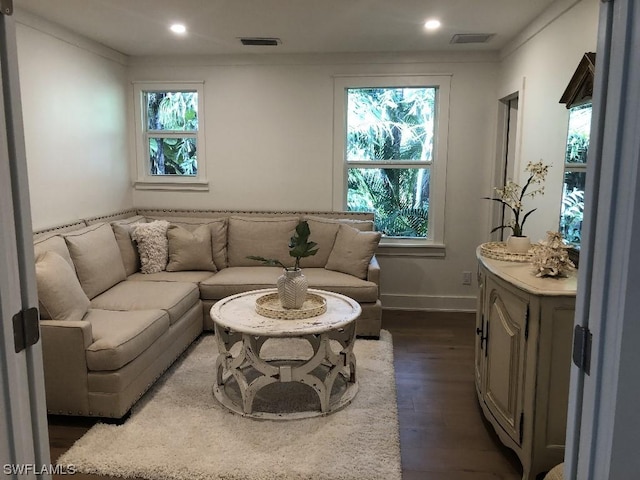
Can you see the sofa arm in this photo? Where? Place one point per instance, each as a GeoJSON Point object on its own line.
{"type": "Point", "coordinates": [373, 273]}
{"type": "Point", "coordinates": [64, 343]}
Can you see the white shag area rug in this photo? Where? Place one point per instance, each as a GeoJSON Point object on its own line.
{"type": "Point", "coordinates": [179, 431]}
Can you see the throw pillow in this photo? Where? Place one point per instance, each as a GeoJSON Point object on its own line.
{"type": "Point", "coordinates": [190, 250]}
{"type": "Point", "coordinates": [96, 258]}
{"type": "Point", "coordinates": [218, 234]}
{"type": "Point", "coordinates": [153, 245]}
{"type": "Point", "coordinates": [323, 232]}
{"type": "Point", "coordinates": [59, 292]}
{"type": "Point", "coordinates": [352, 251]}
{"type": "Point", "coordinates": [128, 249]}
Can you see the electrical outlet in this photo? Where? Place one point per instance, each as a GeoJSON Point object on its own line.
{"type": "Point", "coordinates": [466, 278]}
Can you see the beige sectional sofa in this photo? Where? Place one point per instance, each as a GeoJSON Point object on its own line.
{"type": "Point", "coordinates": [109, 331]}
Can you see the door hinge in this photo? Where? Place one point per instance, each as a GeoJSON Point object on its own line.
{"type": "Point", "coordinates": [26, 330]}
{"type": "Point", "coordinates": [6, 7]}
{"type": "Point", "coordinates": [521, 427]}
{"type": "Point", "coordinates": [582, 339]}
{"type": "Point", "coordinates": [526, 323]}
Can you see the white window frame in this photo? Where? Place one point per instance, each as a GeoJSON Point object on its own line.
{"type": "Point", "coordinates": [437, 166]}
{"type": "Point", "coordinates": [144, 179]}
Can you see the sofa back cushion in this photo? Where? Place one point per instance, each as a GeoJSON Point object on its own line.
{"type": "Point", "coordinates": [263, 237]}
{"type": "Point", "coordinates": [96, 257]}
{"type": "Point", "coordinates": [60, 295]}
{"type": "Point", "coordinates": [128, 250]}
{"type": "Point", "coordinates": [190, 250]}
{"type": "Point", "coordinates": [52, 242]}
{"type": "Point", "coordinates": [352, 251]}
{"type": "Point", "coordinates": [324, 232]}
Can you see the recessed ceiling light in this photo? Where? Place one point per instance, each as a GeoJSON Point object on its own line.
{"type": "Point", "coordinates": [178, 28]}
{"type": "Point", "coordinates": [432, 24]}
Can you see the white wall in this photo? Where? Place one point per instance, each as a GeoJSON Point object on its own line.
{"type": "Point", "coordinates": [74, 106]}
{"type": "Point", "coordinates": [269, 143]}
{"type": "Point", "coordinates": [269, 134]}
{"type": "Point", "coordinates": [544, 58]}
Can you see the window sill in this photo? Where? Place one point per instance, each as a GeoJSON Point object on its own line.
{"type": "Point", "coordinates": [187, 186]}
{"type": "Point", "coordinates": [410, 248]}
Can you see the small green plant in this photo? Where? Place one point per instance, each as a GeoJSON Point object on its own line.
{"type": "Point", "coordinates": [299, 247]}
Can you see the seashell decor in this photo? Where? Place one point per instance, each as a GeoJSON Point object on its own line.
{"type": "Point", "coordinates": [551, 259]}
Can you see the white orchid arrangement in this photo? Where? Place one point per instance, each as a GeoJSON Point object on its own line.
{"type": "Point", "coordinates": [512, 195]}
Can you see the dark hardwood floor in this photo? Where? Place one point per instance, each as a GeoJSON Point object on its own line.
{"type": "Point", "coordinates": [443, 435]}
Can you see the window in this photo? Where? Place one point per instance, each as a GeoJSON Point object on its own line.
{"type": "Point", "coordinates": [391, 137]}
{"type": "Point", "coordinates": [169, 142]}
{"type": "Point", "coordinates": [575, 172]}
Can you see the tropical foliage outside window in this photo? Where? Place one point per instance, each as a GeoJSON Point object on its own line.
{"type": "Point", "coordinates": [575, 172]}
{"type": "Point", "coordinates": [390, 135]}
{"type": "Point", "coordinates": [171, 123]}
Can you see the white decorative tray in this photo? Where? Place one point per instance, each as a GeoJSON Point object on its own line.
{"type": "Point", "coordinates": [269, 306]}
{"type": "Point", "coordinates": [498, 251]}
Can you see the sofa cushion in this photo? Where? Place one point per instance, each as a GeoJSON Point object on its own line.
{"type": "Point", "coordinates": [218, 234]}
{"type": "Point", "coordinates": [120, 337]}
{"type": "Point", "coordinates": [153, 246]}
{"type": "Point", "coordinates": [190, 250]}
{"type": "Point", "coordinates": [128, 250]}
{"type": "Point", "coordinates": [60, 295]}
{"type": "Point", "coordinates": [174, 297]}
{"type": "Point", "coordinates": [97, 258]}
{"type": "Point", "coordinates": [352, 251]}
{"type": "Point", "coordinates": [360, 290]}
{"type": "Point", "coordinates": [54, 243]}
{"type": "Point", "coordinates": [263, 237]}
{"type": "Point", "coordinates": [219, 242]}
{"type": "Point", "coordinates": [191, 277]}
{"type": "Point", "coordinates": [324, 232]}
{"type": "Point", "coordinates": [235, 280]}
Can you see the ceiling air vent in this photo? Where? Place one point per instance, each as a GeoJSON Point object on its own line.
{"type": "Point", "coordinates": [471, 37]}
{"type": "Point", "coordinates": [261, 42]}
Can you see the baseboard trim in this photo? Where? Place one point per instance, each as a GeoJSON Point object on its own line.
{"type": "Point", "coordinates": [428, 303]}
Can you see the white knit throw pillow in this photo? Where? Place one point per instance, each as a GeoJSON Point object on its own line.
{"type": "Point", "coordinates": [153, 246]}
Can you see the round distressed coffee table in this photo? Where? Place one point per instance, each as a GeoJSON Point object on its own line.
{"type": "Point", "coordinates": [248, 370]}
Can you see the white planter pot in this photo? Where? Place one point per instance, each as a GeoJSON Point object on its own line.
{"type": "Point", "coordinates": [292, 288]}
{"type": "Point", "coordinates": [518, 244]}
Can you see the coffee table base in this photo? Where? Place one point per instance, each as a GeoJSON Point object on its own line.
{"type": "Point", "coordinates": [250, 372]}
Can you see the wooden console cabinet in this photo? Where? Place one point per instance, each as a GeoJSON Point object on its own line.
{"type": "Point", "coordinates": [523, 347]}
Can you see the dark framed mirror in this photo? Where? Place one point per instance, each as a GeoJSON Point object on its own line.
{"type": "Point", "coordinates": [577, 98]}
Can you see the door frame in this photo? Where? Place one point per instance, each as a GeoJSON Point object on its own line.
{"type": "Point", "coordinates": [603, 428]}
{"type": "Point", "coordinates": [508, 146]}
{"type": "Point", "coordinates": [24, 441]}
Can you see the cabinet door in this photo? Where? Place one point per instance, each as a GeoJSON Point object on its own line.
{"type": "Point", "coordinates": [480, 332]}
{"type": "Point", "coordinates": [504, 374]}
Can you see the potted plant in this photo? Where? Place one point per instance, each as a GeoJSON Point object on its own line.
{"type": "Point", "coordinates": [512, 195]}
{"type": "Point", "coordinates": [292, 284]}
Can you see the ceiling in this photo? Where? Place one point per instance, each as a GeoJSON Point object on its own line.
{"type": "Point", "coordinates": [140, 27]}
